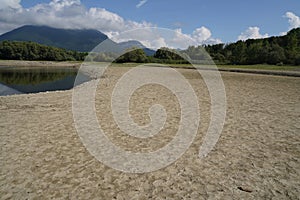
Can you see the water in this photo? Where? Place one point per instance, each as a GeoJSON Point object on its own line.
{"type": "Point", "coordinates": [20, 80]}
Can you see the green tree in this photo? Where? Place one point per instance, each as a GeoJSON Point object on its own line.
{"type": "Point", "coordinates": [33, 51]}
{"type": "Point", "coordinates": [133, 55]}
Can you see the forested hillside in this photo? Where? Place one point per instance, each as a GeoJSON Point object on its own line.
{"type": "Point", "coordinates": [273, 50]}
{"type": "Point", "coordinates": [32, 51]}
{"type": "Point", "coordinates": [281, 50]}
{"type": "Point", "coordinates": [83, 40]}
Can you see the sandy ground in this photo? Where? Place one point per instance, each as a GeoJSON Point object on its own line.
{"type": "Point", "coordinates": [256, 157]}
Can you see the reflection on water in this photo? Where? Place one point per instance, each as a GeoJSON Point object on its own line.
{"type": "Point", "coordinates": [17, 80]}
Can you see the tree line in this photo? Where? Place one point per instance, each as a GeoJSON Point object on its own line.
{"type": "Point", "coordinates": [14, 50]}
{"type": "Point", "coordinates": [162, 55]}
{"type": "Point", "coordinates": [273, 50]}
{"type": "Point", "coordinates": [280, 50]}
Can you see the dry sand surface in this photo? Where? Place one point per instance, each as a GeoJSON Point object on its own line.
{"type": "Point", "coordinates": [256, 157]}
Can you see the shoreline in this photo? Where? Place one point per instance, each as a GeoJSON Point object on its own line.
{"type": "Point", "coordinates": [77, 64]}
{"type": "Point", "coordinates": [26, 63]}
{"type": "Point", "coordinates": [250, 71]}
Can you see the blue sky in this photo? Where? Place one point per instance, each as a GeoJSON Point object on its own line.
{"type": "Point", "coordinates": [225, 21]}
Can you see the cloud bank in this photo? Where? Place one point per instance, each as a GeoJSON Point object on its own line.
{"type": "Point", "coordinates": [74, 15]}
{"type": "Point", "coordinates": [64, 14]}
{"type": "Point", "coordinates": [154, 37]}
{"type": "Point", "coordinates": [12, 4]}
{"type": "Point", "coordinates": [253, 32]}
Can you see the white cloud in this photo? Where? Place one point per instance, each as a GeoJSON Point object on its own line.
{"type": "Point", "coordinates": [282, 33]}
{"type": "Point", "coordinates": [151, 37]}
{"type": "Point", "coordinates": [141, 3]}
{"type": "Point", "coordinates": [252, 33]}
{"type": "Point", "coordinates": [155, 44]}
{"type": "Point", "coordinates": [64, 14]}
{"type": "Point", "coordinates": [180, 40]}
{"type": "Point", "coordinates": [159, 37]}
{"type": "Point", "coordinates": [294, 20]}
{"type": "Point", "coordinates": [72, 14]}
{"type": "Point", "coordinates": [6, 4]}
{"type": "Point", "coordinates": [59, 4]}
{"type": "Point", "coordinates": [201, 34]}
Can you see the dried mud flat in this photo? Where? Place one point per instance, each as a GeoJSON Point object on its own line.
{"type": "Point", "coordinates": [256, 157]}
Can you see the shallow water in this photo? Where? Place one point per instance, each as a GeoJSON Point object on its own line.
{"type": "Point", "coordinates": [19, 80]}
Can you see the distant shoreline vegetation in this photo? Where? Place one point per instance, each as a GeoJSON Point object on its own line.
{"type": "Point", "coordinates": [15, 50]}
{"type": "Point", "coordinates": [280, 50]}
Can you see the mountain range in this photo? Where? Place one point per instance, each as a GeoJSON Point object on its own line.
{"type": "Point", "coordinates": [83, 40]}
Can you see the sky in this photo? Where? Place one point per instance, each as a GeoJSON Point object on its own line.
{"type": "Point", "coordinates": [202, 21]}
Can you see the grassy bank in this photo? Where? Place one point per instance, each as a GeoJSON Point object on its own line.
{"type": "Point", "coordinates": [261, 67]}
{"type": "Point", "coordinates": [20, 63]}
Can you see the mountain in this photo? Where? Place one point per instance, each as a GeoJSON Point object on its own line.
{"type": "Point", "coordinates": [134, 43]}
{"type": "Point", "coordinates": [111, 46]}
{"type": "Point", "coordinates": [149, 52]}
{"type": "Point", "coordinates": [72, 39]}
{"type": "Point", "coordinates": [131, 43]}
{"type": "Point", "coordinates": [83, 40]}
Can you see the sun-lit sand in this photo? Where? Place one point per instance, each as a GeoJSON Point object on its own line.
{"type": "Point", "coordinates": [256, 157]}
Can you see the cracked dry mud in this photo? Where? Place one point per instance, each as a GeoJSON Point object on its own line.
{"type": "Point", "coordinates": [256, 157]}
